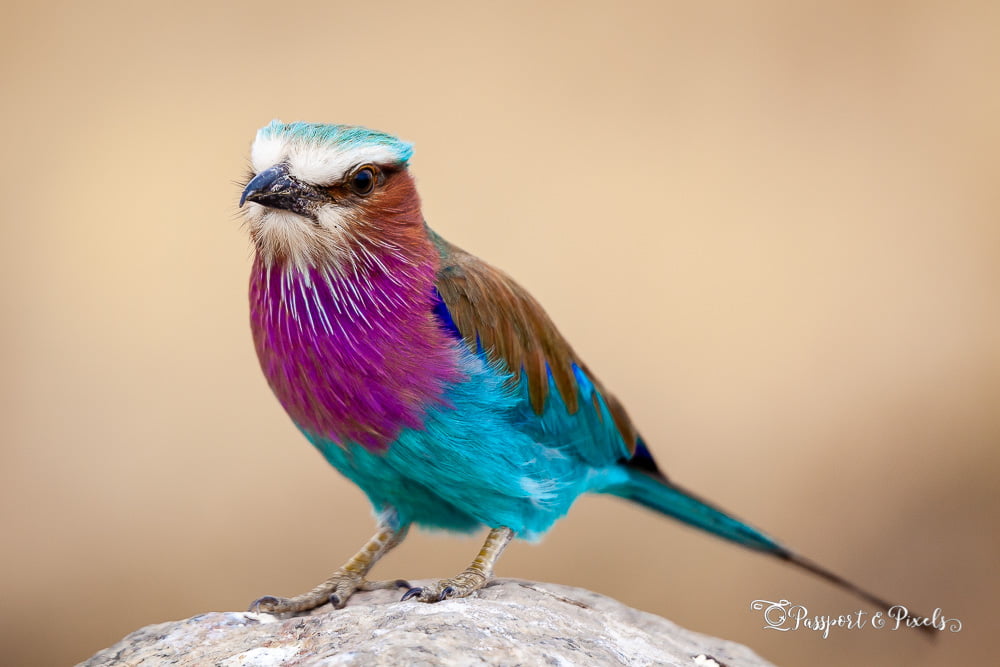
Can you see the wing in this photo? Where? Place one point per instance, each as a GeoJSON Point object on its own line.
{"type": "Point", "coordinates": [498, 318]}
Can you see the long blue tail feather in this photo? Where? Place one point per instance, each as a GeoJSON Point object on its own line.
{"type": "Point", "coordinates": [657, 493]}
{"type": "Point", "coordinates": [653, 490]}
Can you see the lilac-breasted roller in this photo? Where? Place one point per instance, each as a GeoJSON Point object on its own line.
{"type": "Point", "coordinates": [427, 377]}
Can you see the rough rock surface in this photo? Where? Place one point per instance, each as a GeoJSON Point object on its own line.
{"type": "Point", "coordinates": [510, 622]}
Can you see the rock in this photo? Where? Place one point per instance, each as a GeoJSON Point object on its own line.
{"type": "Point", "coordinates": [510, 622]}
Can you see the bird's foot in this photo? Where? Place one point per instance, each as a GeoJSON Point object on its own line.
{"type": "Point", "coordinates": [336, 590]}
{"type": "Point", "coordinates": [460, 586]}
{"type": "Point", "coordinates": [348, 579]}
{"type": "Point", "coordinates": [477, 575]}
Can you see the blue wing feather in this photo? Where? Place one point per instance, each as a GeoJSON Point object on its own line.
{"type": "Point", "coordinates": [589, 433]}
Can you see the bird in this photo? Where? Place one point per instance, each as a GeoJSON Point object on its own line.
{"type": "Point", "coordinates": [430, 379]}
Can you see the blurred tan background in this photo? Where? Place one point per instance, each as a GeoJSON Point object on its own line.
{"type": "Point", "coordinates": [774, 232]}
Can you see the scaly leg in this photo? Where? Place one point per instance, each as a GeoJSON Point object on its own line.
{"type": "Point", "coordinates": [344, 582]}
{"type": "Point", "coordinates": [477, 575]}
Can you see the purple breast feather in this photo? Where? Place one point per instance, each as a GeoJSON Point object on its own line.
{"type": "Point", "coordinates": [352, 357]}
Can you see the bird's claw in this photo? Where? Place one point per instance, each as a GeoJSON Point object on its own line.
{"type": "Point", "coordinates": [461, 586]}
{"type": "Point", "coordinates": [265, 604]}
{"type": "Point", "coordinates": [412, 593]}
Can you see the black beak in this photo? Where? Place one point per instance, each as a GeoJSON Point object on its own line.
{"type": "Point", "coordinates": [275, 188]}
{"type": "Point", "coordinates": [270, 181]}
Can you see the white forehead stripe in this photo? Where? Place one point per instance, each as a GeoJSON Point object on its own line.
{"type": "Point", "coordinates": [266, 152]}
{"type": "Point", "coordinates": [318, 164]}
{"type": "Point", "coordinates": [323, 165]}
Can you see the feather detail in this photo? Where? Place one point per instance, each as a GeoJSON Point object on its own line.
{"type": "Point", "coordinates": [494, 314]}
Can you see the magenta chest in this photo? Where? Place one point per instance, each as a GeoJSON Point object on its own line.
{"type": "Point", "coordinates": [351, 359]}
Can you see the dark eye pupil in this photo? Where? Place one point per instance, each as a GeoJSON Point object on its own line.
{"type": "Point", "coordinates": [363, 181]}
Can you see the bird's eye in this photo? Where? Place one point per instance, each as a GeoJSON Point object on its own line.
{"type": "Point", "coordinates": [363, 180]}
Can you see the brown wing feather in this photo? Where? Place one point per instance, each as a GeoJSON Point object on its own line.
{"type": "Point", "coordinates": [488, 306]}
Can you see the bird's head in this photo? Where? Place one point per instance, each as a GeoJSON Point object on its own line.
{"type": "Point", "coordinates": [321, 195]}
